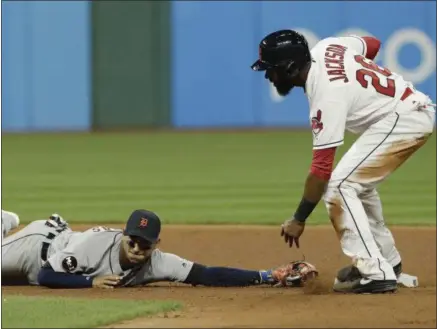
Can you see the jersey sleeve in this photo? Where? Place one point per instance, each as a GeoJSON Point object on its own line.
{"type": "Point", "coordinates": [328, 122]}
{"type": "Point", "coordinates": [170, 266]}
{"type": "Point", "coordinates": [162, 267]}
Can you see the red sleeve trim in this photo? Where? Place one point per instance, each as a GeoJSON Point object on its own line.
{"type": "Point", "coordinates": [373, 46]}
{"type": "Point", "coordinates": [323, 162]}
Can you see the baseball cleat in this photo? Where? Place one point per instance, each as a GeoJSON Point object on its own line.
{"type": "Point", "coordinates": [58, 221]}
{"type": "Point", "coordinates": [348, 273]}
{"type": "Point", "coordinates": [351, 273]}
{"type": "Point", "coordinates": [366, 286]}
{"type": "Point", "coordinates": [398, 269]}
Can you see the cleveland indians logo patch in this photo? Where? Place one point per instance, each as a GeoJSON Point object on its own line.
{"type": "Point", "coordinates": [316, 123]}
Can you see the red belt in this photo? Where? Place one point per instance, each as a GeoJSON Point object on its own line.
{"type": "Point", "coordinates": [406, 93]}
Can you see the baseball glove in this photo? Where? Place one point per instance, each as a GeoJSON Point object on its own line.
{"type": "Point", "coordinates": [294, 274]}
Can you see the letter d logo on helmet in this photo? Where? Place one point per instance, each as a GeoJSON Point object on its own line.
{"type": "Point", "coordinates": [144, 221]}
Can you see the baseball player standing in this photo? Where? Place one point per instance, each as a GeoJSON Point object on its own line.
{"type": "Point", "coordinates": [348, 91]}
{"type": "Point", "coordinates": [49, 253]}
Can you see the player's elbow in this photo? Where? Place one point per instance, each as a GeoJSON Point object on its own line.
{"type": "Point", "coordinates": [48, 277]}
{"type": "Point", "coordinates": [45, 277]}
{"type": "Point", "coordinates": [196, 275]}
{"type": "Point", "coordinates": [321, 172]}
{"type": "Point", "coordinates": [323, 162]}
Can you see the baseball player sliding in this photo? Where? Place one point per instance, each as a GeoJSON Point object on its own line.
{"type": "Point", "coordinates": [49, 253]}
{"type": "Point", "coordinates": [348, 91]}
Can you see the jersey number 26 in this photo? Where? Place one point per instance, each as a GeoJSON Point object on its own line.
{"type": "Point", "coordinates": [370, 70]}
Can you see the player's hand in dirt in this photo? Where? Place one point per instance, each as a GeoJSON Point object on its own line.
{"type": "Point", "coordinates": [106, 281]}
{"type": "Point", "coordinates": [291, 230]}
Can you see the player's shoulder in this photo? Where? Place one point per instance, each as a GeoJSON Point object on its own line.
{"type": "Point", "coordinates": [329, 48]}
{"type": "Point", "coordinates": [156, 254]}
{"type": "Point", "coordinates": [101, 233]}
{"type": "Point", "coordinates": [335, 44]}
{"type": "Point", "coordinates": [322, 44]}
{"type": "Point", "coordinates": [103, 230]}
{"type": "Point", "coordinates": [159, 255]}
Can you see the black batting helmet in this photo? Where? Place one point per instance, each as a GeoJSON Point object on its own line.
{"type": "Point", "coordinates": [285, 48]}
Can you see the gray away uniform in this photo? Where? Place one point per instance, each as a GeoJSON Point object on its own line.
{"type": "Point", "coordinates": [94, 252]}
{"type": "Point", "coordinates": [24, 252]}
{"type": "Point", "coordinates": [10, 221]}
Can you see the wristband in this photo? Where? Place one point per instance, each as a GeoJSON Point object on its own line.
{"type": "Point", "coordinates": [304, 210]}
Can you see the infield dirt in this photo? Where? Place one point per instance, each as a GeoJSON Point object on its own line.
{"type": "Point", "coordinates": [256, 247]}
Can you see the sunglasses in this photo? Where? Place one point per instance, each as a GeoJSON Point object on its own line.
{"type": "Point", "coordinates": [142, 244]}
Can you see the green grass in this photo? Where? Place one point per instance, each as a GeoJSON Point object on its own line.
{"type": "Point", "coordinates": [250, 177]}
{"type": "Point", "coordinates": [42, 312]}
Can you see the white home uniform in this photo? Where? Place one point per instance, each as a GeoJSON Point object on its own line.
{"type": "Point", "coordinates": [349, 92]}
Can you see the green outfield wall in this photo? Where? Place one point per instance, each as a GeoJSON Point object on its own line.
{"type": "Point", "coordinates": [130, 64]}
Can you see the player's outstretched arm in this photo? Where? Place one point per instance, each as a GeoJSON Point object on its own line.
{"type": "Point", "coordinates": [292, 274]}
{"type": "Point", "coordinates": [170, 267]}
{"type": "Point", "coordinates": [229, 277]}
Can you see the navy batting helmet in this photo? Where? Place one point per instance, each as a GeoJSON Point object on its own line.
{"type": "Point", "coordinates": [287, 49]}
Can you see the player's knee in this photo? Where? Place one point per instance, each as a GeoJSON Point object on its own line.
{"type": "Point", "coordinates": [332, 198]}
{"type": "Point", "coordinates": [335, 201]}
{"type": "Point", "coordinates": [338, 189]}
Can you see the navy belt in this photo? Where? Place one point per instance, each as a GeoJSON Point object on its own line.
{"type": "Point", "coordinates": [45, 246]}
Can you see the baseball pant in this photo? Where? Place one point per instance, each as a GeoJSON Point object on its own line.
{"type": "Point", "coordinates": [351, 198]}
